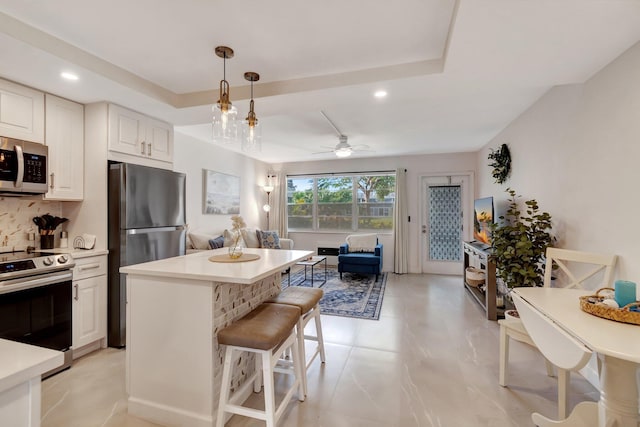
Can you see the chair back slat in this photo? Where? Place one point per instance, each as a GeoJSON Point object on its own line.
{"type": "Point", "coordinates": [595, 263]}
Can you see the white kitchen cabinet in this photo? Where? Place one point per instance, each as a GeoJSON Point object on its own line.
{"type": "Point", "coordinates": [89, 304]}
{"type": "Point", "coordinates": [21, 112]}
{"type": "Point", "coordinates": [64, 135]}
{"type": "Point", "coordinates": [139, 135]}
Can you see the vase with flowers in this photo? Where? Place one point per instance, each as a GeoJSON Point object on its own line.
{"type": "Point", "coordinates": [237, 224]}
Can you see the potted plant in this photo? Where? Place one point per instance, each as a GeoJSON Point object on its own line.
{"type": "Point", "coordinates": [519, 242]}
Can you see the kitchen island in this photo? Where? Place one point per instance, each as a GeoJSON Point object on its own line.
{"type": "Point", "coordinates": [175, 307]}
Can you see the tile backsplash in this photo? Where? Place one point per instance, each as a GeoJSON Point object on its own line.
{"type": "Point", "coordinates": [16, 220]}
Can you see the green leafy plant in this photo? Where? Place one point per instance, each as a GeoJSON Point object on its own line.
{"type": "Point", "coordinates": [519, 242]}
{"type": "Point", "coordinates": [501, 163]}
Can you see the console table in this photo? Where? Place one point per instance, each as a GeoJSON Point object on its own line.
{"type": "Point", "coordinates": [486, 299]}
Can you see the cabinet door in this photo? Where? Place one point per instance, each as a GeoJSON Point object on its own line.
{"type": "Point", "coordinates": [65, 137]}
{"type": "Point", "coordinates": [160, 140]}
{"type": "Point", "coordinates": [89, 310]}
{"type": "Point", "coordinates": [21, 112]}
{"type": "Point", "coordinates": [127, 131]}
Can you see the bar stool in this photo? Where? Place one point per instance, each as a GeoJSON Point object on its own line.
{"type": "Point", "coordinates": [307, 299]}
{"type": "Point", "coordinates": [266, 331]}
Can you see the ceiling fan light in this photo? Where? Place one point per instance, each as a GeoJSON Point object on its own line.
{"type": "Point", "coordinates": [343, 152]}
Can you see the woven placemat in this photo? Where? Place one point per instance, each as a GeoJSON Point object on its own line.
{"type": "Point", "coordinates": [227, 258]}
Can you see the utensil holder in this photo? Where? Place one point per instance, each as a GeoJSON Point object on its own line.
{"type": "Point", "coordinates": [46, 241]}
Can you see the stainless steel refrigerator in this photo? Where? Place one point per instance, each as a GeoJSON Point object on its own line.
{"type": "Point", "coordinates": [146, 223]}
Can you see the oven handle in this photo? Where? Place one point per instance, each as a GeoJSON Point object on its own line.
{"type": "Point", "coordinates": [26, 283]}
{"type": "Point", "coordinates": [20, 176]}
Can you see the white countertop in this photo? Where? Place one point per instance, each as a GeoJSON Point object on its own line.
{"type": "Point", "coordinates": [21, 362]}
{"type": "Point", "coordinates": [198, 267]}
{"type": "Point", "coordinates": [78, 253]}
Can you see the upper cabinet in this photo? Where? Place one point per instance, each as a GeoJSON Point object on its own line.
{"type": "Point", "coordinates": [138, 135]}
{"type": "Point", "coordinates": [65, 138]}
{"type": "Point", "coordinates": [21, 112]}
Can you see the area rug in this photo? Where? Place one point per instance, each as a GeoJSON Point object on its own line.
{"type": "Point", "coordinates": [356, 295]}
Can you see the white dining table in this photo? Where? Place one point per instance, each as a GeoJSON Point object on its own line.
{"type": "Point", "coordinates": [616, 344]}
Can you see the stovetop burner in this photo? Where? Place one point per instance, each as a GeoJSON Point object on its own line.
{"type": "Point", "coordinates": [22, 263]}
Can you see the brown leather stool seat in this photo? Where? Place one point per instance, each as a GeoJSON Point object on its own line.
{"type": "Point", "coordinates": [307, 300]}
{"type": "Point", "coordinates": [267, 331]}
{"type": "Point", "coordinates": [263, 328]}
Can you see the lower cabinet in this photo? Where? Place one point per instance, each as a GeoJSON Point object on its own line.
{"type": "Point", "coordinates": [89, 304]}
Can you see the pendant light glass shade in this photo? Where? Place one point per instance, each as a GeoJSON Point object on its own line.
{"type": "Point", "coordinates": [251, 130]}
{"type": "Point", "coordinates": [225, 126]}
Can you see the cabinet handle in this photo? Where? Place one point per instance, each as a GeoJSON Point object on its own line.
{"type": "Point", "coordinates": [142, 148]}
{"type": "Point", "coordinates": [149, 149]}
{"type": "Point", "coordinates": [76, 297]}
{"type": "Point", "coordinates": [52, 175]}
{"type": "Point", "coordinates": [88, 267]}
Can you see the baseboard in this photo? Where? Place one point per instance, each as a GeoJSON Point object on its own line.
{"type": "Point", "coordinates": [167, 415]}
{"type": "Point", "coordinates": [89, 348]}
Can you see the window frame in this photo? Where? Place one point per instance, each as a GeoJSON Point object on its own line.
{"type": "Point", "coordinates": [355, 204]}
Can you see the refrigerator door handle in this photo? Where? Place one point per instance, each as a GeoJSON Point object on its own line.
{"type": "Point", "coordinates": [153, 229]}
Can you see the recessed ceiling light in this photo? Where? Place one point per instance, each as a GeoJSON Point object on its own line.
{"type": "Point", "coordinates": [380, 94]}
{"type": "Point", "coordinates": [68, 76]}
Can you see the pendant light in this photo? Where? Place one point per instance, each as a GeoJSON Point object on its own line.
{"type": "Point", "coordinates": [225, 128]}
{"type": "Point", "coordinates": [251, 131]}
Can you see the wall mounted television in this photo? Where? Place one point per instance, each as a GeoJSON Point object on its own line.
{"type": "Point", "coordinates": [483, 216]}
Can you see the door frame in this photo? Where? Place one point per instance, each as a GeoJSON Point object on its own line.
{"type": "Point", "coordinates": [468, 194]}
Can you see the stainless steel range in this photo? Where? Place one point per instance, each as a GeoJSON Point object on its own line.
{"type": "Point", "coordinates": [36, 300]}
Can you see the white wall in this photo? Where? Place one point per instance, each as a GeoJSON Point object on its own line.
{"type": "Point", "coordinates": [416, 167]}
{"type": "Point", "coordinates": [191, 156]}
{"type": "Point", "coordinates": [577, 151]}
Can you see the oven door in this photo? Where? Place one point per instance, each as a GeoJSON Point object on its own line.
{"type": "Point", "coordinates": [37, 310]}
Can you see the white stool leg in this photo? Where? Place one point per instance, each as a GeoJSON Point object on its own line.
{"type": "Point", "coordinates": [319, 336]}
{"type": "Point", "coordinates": [504, 356]}
{"type": "Point", "coordinates": [301, 358]}
{"type": "Point", "coordinates": [299, 365]}
{"type": "Point", "coordinates": [257, 383]}
{"type": "Point", "coordinates": [269, 392]}
{"type": "Point", "coordinates": [225, 387]}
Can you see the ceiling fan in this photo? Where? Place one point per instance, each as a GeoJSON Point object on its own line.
{"type": "Point", "coordinates": [342, 148]}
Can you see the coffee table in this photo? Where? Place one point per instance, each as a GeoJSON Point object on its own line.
{"type": "Point", "coordinates": [312, 262]}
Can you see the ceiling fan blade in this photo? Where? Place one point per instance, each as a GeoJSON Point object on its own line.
{"type": "Point", "coordinates": [323, 152]}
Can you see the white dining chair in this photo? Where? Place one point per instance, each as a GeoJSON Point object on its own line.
{"type": "Point", "coordinates": [566, 353]}
{"type": "Point", "coordinates": [576, 270]}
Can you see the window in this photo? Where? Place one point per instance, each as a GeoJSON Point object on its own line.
{"type": "Point", "coordinates": [341, 203]}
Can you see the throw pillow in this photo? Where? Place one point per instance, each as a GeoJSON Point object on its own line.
{"type": "Point", "coordinates": [250, 237]}
{"type": "Point", "coordinates": [216, 243]}
{"type": "Point", "coordinates": [362, 242]}
{"type": "Point", "coordinates": [199, 241]}
{"type": "Point", "coordinates": [269, 239]}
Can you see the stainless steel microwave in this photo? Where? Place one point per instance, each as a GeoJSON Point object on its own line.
{"type": "Point", "coordinates": [23, 167]}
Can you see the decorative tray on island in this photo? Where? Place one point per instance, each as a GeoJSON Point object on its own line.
{"type": "Point", "coordinates": [592, 305]}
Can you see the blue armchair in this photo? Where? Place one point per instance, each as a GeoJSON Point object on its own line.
{"type": "Point", "coordinates": [360, 262]}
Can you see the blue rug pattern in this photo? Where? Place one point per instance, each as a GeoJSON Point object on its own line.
{"type": "Point", "coordinates": [356, 295]}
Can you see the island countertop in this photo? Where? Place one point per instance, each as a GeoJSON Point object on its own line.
{"type": "Point", "coordinates": [21, 362]}
{"type": "Point", "coordinates": [198, 267]}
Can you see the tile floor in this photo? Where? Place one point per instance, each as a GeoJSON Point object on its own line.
{"type": "Point", "coordinates": [431, 360]}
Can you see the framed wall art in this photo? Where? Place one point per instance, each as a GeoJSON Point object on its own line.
{"type": "Point", "coordinates": [221, 193]}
